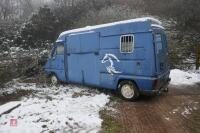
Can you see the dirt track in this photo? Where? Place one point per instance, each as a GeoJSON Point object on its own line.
{"type": "Point", "coordinates": [175, 112]}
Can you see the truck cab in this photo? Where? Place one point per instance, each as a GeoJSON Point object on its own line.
{"type": "Point", "coordinates": [54, 67]}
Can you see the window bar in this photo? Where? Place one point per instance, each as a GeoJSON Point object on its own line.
{"type": "Point", "coordinates": [131, 43]}
{"type": "Point", "coordinates": [126, 43]}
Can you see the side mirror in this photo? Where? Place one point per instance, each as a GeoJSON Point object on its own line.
{"type": "Point", "coordinates": [53, 58]}
{"type": "Point", "coordinates": [53, 53]}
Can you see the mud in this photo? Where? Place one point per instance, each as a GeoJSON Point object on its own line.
{"type": "Point", "coordinates": [178, 111]}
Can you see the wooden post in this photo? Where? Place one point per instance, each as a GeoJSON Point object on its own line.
{"type": "Point", "coordinates": [197, 56]}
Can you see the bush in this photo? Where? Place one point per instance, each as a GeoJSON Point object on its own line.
{"type": "Point", "coordinates": [41, 27]}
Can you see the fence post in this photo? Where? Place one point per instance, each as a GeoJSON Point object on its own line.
{"type": "Point", "coordinates": [197, 56]}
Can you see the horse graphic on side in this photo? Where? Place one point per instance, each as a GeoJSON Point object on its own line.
{"type": "Point", "coordinates": [109, 58]}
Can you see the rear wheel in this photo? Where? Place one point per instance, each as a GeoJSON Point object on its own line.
{"type": "Point", "coordinates": [128, 90]}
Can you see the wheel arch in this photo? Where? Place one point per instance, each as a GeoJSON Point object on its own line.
{"type": "Point", "coordinates": [51, 74]}
{"type": "Point", "coordinates": [126, 79]}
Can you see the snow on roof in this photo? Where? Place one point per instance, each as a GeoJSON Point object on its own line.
{"type": "Point", "coordinates": [157, 26]}
{"type": "Point", "coordinates": [59, 41]}
{"type": "Point", "coordinates": [81, 33]}
{"type": "Point", "coordinates": [87, 28]}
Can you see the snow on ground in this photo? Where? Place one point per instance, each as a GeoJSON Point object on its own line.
{"type": "Point", "coordinates": [179, 77]}
{"type": "Point", "coordinates": [8, 106]}
{"type": "Point", "coordinates": [186, 108]}
{"type": "Point", "coordinates": [58, 109]}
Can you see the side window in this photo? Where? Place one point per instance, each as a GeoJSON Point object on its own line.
{"type": "Point", "coordinates": [158, 41]}
{"type": "Point", "coordinates": [60, 49]}
{"type": "Point", "coordinates": [127, 44]}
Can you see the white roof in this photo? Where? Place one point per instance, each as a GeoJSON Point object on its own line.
{"type": "Point", "coordinates": [158, 26]}
{"type": "Point", "coordinates": [87, 28]}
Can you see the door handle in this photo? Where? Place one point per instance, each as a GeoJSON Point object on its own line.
{"type": "Point", "coordinates": [96, 53]}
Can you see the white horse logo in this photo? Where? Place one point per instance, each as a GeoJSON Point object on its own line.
{"type": "Point", "coordinates": [111, 69]}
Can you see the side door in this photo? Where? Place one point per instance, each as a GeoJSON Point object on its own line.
{"type": "Point", "coordinates": [82, 59]}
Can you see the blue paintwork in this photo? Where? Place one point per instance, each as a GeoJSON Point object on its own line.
{"type": "Point", "coordinates": [84, 51]}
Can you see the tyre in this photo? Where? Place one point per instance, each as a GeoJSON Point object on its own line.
{"type": "Point", "coordinates": [128, 90]}
{"type": "Point", "coordinates": [54, 80]}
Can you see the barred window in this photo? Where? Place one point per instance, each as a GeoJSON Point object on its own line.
{"type": "Point", "coordinates": [127, 43]}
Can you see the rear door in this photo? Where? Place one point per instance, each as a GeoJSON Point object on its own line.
{"type": "Point", "coordinates": [160, 45]}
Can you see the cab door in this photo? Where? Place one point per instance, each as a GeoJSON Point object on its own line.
{"type": "Point", "coordinates": [57, 61]}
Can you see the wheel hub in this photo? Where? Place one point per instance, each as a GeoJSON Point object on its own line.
{"type": "Point", "coordinates": [127, 91]}
{"type": "Point", "coordinates": [54, 80]}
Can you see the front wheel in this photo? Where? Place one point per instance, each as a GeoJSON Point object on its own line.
{"type": "Point", "coordinates": [128, 90]}
{"type": "Point", "coordinates": [54, 80]}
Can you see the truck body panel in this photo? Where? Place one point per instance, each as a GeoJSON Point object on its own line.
{"type": "Point", "coordinates": [104, 55]}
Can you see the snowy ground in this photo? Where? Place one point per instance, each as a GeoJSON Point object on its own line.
{"type": "Point", "coordinates": [67, 108]}
{"type": "Point", "coordinates": [179, 77]}
{"type": "Point", "coordinates": [62, 109]}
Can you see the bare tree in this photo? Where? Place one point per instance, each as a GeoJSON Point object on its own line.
{"type": "Point", "coordinates": [26, 8]}
{"type": "Point", "coordinates": [6, 9]}
{"type": "Point", "coordinates": [20, 9]}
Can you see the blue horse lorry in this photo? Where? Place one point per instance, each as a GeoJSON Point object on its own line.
{"type": "Point", "coordinates": [129, 56]}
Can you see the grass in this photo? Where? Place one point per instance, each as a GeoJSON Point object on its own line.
{"type": "Point", "coordinates": [14, 96]}
{"type": "Point", "coordinates": [110, 124]}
